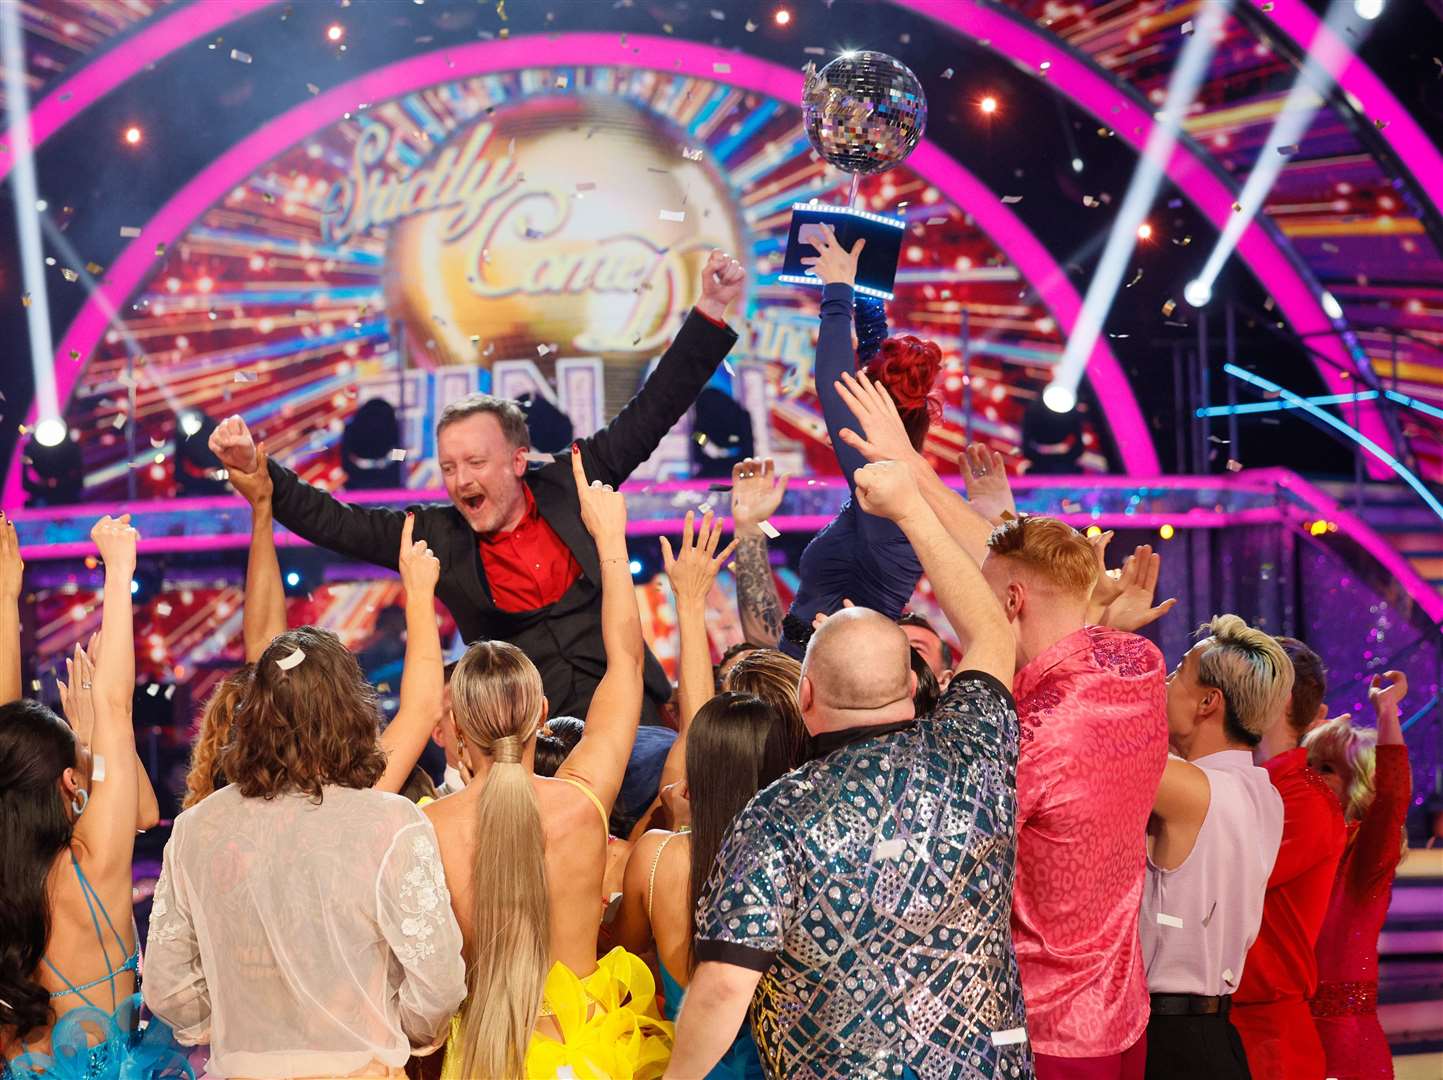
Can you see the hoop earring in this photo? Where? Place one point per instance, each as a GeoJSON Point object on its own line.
{"type": "Point", "coordinates": [80, 801]}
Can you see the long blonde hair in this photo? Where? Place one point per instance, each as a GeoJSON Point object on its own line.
{"type": "Point", "coordinates": [497, 701]}
{"type": "Point", "coordinates": [1352, 753]}
{"type": "Point", "coordinates": [216, 719]}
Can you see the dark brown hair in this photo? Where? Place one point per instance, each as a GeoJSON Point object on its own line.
{"type": "Point", "coordinates": [301, 727]}
{"type": "Point", "coordinates": [1310, 684]}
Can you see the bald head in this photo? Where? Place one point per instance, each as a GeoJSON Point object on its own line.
{"type": "Point", "coordinates": [857, 670]}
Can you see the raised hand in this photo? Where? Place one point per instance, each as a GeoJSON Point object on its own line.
{"type": "Point", "coordinates": [833, 264]}
{"type": "Point", "coordinates": [1133, 608]}
{"type": "Point", "coordinates": [77, 698]}
{"type": "Point", "coordinates": [887, 489]}
{"type": "Point", "coordinates": [231, 441]}
{"type": "Point", "coordinates": [886, 437]}
{"type": "Point", "coordinates": [603, 510]}
{"type": "Point", "coordinates": [116, 541]}
{"type": "Point", "coordinates": [420, 569]}
{"type": "Point", "coordinates": [12, 567]}
{"type": "Point", "coordinates": [821, 616]}
{"type": "Point", "coordinates": [1108, 585]}
{"type": "Point", "coordinates": [1388, 698]}
{"type": "Point", "coordinates": [757, 492]}
{"type": "Point", "coordinates": [695, 564]}
{"type": "Point", "coordinates": [985, 471]}
{"type": "Point", "coordinates": [722, 279]}
{"type": "Point", "coordinates": [254, 486]}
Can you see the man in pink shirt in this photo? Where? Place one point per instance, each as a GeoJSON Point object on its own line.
{"type": "Point", "coordinates": [1092, 702]}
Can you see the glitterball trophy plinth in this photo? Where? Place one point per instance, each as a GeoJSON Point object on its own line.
{"type": "Point", "coordinates": [864, 112]}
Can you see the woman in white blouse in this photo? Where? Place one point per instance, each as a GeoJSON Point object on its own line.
{"type": "Point", "coordinates": [301, 923]}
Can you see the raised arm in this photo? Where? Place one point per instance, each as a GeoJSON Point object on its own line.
{"type": "Point", "coordinates": [12, 571]}
{"type": "Point", "coordinates": [889, 489]}
{"type": "Point", "coordinates": [1380, 842]}
{"type": "Point", "coordinates": [884, 438]}
{"type": "Point", "coordinates": [757, 492]}
{"type": "Point", "coordinates": [599, 759]}
{"type": "Point", "coordinates": [692, 570]}
{"type": "Point", "coordinates": [370, 534]}
{"type": "Point", "coordinates": [106, 831]}
{"type": "Point", "coordinates": [423, 680]}
{"type": "Point", "coordinates": [264, 615]}
{"type": "Point", "coordinates": [1131, 607]}
{"type": "Point", "coordinates": [614, 452]}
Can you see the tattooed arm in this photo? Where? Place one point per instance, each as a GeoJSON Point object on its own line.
{"type": "Point", "coordinates": [756, 493]}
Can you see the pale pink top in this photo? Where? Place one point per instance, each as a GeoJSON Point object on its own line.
{"type": "Point", "coordinates": [1093, 712]}
{"type": "Point", "coordinates": [302, 938]}
{"type": "Point", "coordinates": [1200, 919]}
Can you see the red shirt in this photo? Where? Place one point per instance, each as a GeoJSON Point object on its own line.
{"type": "Point", "coordinates": [1093, 712]}
{"type": "Point", "coordinates": [1281, 973]}
{"type": "Point", "coordinates": [529, 567]}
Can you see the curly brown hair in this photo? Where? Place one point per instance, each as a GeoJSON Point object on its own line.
{"type": "Point", "coordinates": [306, 725]}
{"type": "Point", "coordinates": [213, 732]}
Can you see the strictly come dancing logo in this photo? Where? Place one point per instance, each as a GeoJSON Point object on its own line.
{"type": "Point", "coordinates": [556, 226]}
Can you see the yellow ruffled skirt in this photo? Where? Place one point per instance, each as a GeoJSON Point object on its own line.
{"type": "Point", "coordinates": [611, 1026]}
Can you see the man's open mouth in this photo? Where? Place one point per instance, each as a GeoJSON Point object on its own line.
{"type": "Point", "coordinates": [472, 502]}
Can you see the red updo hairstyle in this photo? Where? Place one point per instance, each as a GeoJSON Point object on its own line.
{"type": "Point", "coordinates": [908, 366]}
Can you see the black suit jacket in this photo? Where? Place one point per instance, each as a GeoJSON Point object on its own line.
{"type": "Point", "coordinates": [564, 640]}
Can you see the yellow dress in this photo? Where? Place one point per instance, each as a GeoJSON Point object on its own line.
{"type": "Point", "coordinates": [622, 1038]}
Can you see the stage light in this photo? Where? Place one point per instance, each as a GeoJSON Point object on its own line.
{"type": "Point", "coordinates": [1197, 292]}
{"type": "Point", "coordinates": [292, 578]}
{"type": "Point", "coordinates": [1187, 76]}
{"type": "Point", "coordinates": [1368, 9]}
{"type": "Point", "coordinates": [1094, 531]}
{"type": "Point", "coordinates": [1077, 164]}
{"type": "Point", "coordinates": [1331, 305]}
{"type": "Point", "coordinates": [635, 567]}
{"type": "Point", "coordinates": [1059, 398]}
{"type": "Point", "coordinates": [988, 104]}
{"type": "Point", "coordinates": [51, 432]}
{"type": "Point", "coordinates": [134, 586]}
{"type": "Point", "coordinates": [197, 470]}
{"type": "Point", "coordinates": [133, 135]}
{"type": "Point", "coordinates": [335, 32]}
{"type": "Point", "coordinates": [783, 16]}
{"type": "Point", "coordinates": [1166, 532]}
{"type": "Point", "coordinates": [1144, 231]}
{"type": "Point", "coordinates": [300, 576]}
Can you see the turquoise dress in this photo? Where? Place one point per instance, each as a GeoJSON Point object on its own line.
{"type": "Point", "coordinates": [741, 1061]}
{"type": "Point", "coordinates": [89, 1043]}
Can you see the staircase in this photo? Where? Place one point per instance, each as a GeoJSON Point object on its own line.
{"type": "Point", "coordinates": [1410, 967]}
{"type": "Point", "coordinates": [1396, 514]}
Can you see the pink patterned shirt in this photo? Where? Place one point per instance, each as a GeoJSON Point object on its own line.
{"type": "Point", "coordinates": [1093, 712]}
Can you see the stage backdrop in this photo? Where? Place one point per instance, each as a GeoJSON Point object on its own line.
{"type": "Point", "coordinates": [534, 232]}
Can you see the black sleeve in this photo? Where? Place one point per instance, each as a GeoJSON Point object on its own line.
{"type": "Point", "coordinates": [371, 534]}
{"type": "Point", "coordinates": [614, 452]}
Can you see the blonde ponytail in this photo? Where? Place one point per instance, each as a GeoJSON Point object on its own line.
{"type": "Point", "coordinates": [497, 701]}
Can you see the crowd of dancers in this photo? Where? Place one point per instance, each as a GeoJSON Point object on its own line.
{"type": "Point", "coordinates": [870, 849]}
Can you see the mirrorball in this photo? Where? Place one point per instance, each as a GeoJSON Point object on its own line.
{"type": "Point", "coordinates": [864, 111]}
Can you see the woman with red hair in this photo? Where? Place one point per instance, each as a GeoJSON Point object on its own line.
{"type": "Point", "coordinates": [859, 557]}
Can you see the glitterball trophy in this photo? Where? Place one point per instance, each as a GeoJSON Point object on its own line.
{"type": "Point", "coordinates": [864, 112]}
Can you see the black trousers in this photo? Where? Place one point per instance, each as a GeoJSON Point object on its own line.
{"type": "Point", "coordinates": [1195, 1048]}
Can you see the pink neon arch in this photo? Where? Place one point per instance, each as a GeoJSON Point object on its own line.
{"type": "Point", "coordinates": [1024, 250]}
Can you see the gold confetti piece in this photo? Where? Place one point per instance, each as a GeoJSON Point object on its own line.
{"type": "Point", "coordinates": [1010, 199]}
{"type": "Point", "coordinates": [1237, 208]}
{"type": "Point", "coordinates": [69, 274]}
{"type": "Point", "coordinates": [672, 215]}
{"type": "Point", "coordinates": [501, 9]}
{"type": "Point", "coordinates": [1268, 6]}
{"type": "Point", "coordinates": [692, 153]}
{"type": "Point", "coordinates": [93, 268]}
{"type": "Point", "coordinates": [240, 57]}
{"type": "Point", "coordinates": [1381, 124]}
{"type": "Point", "coordinates": [1169, 307]}
{"type": "Point", "coordinates": [475, 339]}
{"type": "Point", "coordinates": [160, 249]}
{"type": "Point", "coordinates": [129, 232]}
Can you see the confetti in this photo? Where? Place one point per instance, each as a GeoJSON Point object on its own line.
{"type": "Point", "coordinates": [949, 73]}
{"type": "Point", "coordinates": [941, 220]}
{"type": "Point", "coordinates": [1169, 307]}
{"type": "Point", "coordinates": [285, 663]}
{"type": "Point", "coordinates": [169, 692]}
{"type": "Point", "coordinates": [815, 50]}
{"type": "Point", "coordinates": [129, 232]}
{"type": "Point", "coordinates": [1237, 208]}
{"type": "Point", "coordinates": [1381, 124]}
{"type": "Point", "coordinates": [720, 68]}
{"type": "Point", "coordinates": [1187, 28]}
{"type": "Point", "coordinates": [692, 153]}
{"type": "Point", "coordinates": [541, 350]}
{"type": "Point", "coordinates": [69, 274]}
{"type": "Point", "coordinates": [718, 15]}
{"type": "Point", "coordinates": [97, 767]}
{"type": "Point", "coordinates": [1136, 278]}
{"type": "Point", "coordinates": [152, 690]}
{"type": "Point", "coordinates": [240, 57]}
{"type": "Point", "coordinates": [1289, 150]}
{"type": "Point", "coordinates": [1234, 465]}
{"type": "Point", "coordinates": [672, 215]}
{"type": "Point", "coordinates": [1010, 1037]}
{"type": "Point", "coordinates": [889, 849]}
{"type": "Point", "coordinates": [751, 27]}
{"type": "Point", "coordinates": [586, 185]}
{"type": "Point", "coordinates": [501, 9]}
{"type": "Point", "coordinates": [704, 508]}
{"type": "Point", "coordinates": [313, 88]}
{"type": "Point", "coordinates": [768, 530]}
{"type": "Point", "coordinates": [159, 249]}
{"type": "Point", "coordinates": [163, 609]}
{"type": "Point", "coordinates": [561, 82]}
{"type": "Point", "coordinates": [245, 376]}
{"type": "Point", "coordinates": [1010, 199]}
{"type": "Point", "coordinates": [93, 268]}
{"type": "Point", "coordinates": [398, 454]}
{"type": "Point", "coordinates": [1164, 919]}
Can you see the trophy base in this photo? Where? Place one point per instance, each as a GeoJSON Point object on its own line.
{"type": "Point", "coordinates": [877, 267]}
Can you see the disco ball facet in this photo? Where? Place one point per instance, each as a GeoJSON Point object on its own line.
{"type": "Point", "coordinates": [864, 112]}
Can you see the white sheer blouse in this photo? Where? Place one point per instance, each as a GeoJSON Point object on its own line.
{"type": "Point", "coordinates": [304, 939]}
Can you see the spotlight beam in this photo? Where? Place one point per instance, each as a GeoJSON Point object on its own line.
{"type": "Point", "coordinates": [1187, 76]}
{"type": "Point", "coordinates": [27, 225]}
